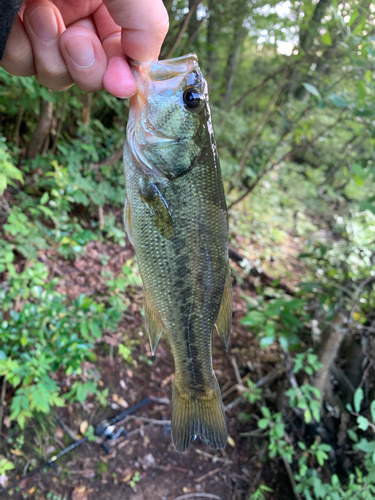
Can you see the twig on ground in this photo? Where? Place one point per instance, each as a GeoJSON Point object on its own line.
{"type": "Point", "coordinates": [67, 429]}
{"type": "Point", "coordinates": [226, 461]}
{"type": "Point", "coordinates": [2, 400]}
{"type": "Point", "coordinates": [291, 478]}
{"type": "Point", "coordinates": [267, 379]}
{"type": "Point", "coordinates": [149, 420]}
{"type": "Point", "coordinates": [365, 373]}
{"type": "Point", "coordinates": [210, 473]}
{"type": "Point", "coordinates": [198, 495]}
{"type": "Point", "coordinates": [243, 478]}
{"type": "Point", "coordinates": [236, 370]}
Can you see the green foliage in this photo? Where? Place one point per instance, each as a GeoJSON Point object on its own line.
{"type": "Point", "coordinates": [5, 465]}
{"type": "Point", "coordinates": [47, 335]}
{"type": "Point", "coordinates": [259, 493]}
{"type": "Point", "coordinates": [278, 318]}
{"type": "Point", "coordinates": [8, 172]}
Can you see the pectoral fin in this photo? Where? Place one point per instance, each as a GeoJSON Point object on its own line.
{"type": "Point", "coordinates": [157, 207]}
{"type": "Point", "coordinates": [153, 323]}
{"type": "Point", "coordinates": [128, 221]}
{"type": "Point", "coordinates": [224, 318]}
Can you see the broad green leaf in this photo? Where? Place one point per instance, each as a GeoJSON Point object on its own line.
{"type": "Point", "coordinates": [366, 205]}
{"type": "Point", "coordinates": [339, 101]}
{"type": "Point", "coordinates": [353, 17]}
{"type": "Point", "coordinates": [253, 318]}
{"type": "Point", "coordinates": [326, 38]}
{"type": "Point", "coordinates": [361, 89]}
{"type": "Point", "coordinates": [263, 423]}
{"type": "Point", "coordinates": [359, 170]}
{"type": "Point", "coordinates": [312, 89]}
{"type": "Point", "coordinates": [362, 423]}
{"type": "Point", "coordinates": [353, 435]}
{"type": "Point", "coordinates": [358, 398]}
{"type": "Point", "coordinates": [364, 445]}
{"type": "Point", "coordinates": [372, 410]}
{"type": "Point", "coordinates": [368, 76]}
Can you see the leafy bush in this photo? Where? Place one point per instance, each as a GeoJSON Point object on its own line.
{"type": "Point", "coordinates": [47, 336]}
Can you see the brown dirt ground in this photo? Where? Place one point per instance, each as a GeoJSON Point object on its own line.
{"type": "Point", "coordinates": [89, 474]}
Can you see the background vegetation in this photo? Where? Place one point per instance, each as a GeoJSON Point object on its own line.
{"type": "Point", "coordinates": [293, 99]}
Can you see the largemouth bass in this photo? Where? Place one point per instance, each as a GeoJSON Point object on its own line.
{"type": "Point", "coordinates": [176, 218]}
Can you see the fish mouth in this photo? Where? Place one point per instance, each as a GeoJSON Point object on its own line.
{"type": "Point", "coordinates": [167, 74]}
{"type": "Point", "coordinates": [157, 72]}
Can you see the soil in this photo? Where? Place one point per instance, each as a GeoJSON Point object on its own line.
{"type": "Point", "coordinates": [144, 465]}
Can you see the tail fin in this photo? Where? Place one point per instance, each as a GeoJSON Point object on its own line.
{"type": "Point", "coordinates": [198, 415]}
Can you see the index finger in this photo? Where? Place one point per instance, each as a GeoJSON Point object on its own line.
{"type": "Point", "coordinates": [144, 25]}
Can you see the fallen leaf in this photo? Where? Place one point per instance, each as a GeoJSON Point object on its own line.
{"type": "Point", "coordinates": [83, 427]}
{"type": "Point", "coordinates": [18, 453]}
{"type": "Point", "coordinates": [127, 477]}
{"type": "Point", "coordinates": [231, 442]}
{"type": "Point", "coordinates": [59, 433]}
{"type": "Point", "coordinates": [123, 403]}
{"type": "Point", "coordinates": [31, 490]}
{"type": "Point", "coordinates": [80, 493]}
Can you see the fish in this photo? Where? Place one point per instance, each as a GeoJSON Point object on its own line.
{"type": "Point", "coordinates": [176, 218]}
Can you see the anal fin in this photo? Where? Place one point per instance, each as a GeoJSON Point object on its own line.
{"type": "Point", "coordinates": [153, 323]}
{"type": "Point", "coordinates": [224, 319]}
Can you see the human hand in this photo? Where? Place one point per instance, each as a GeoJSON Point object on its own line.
{"type": "Point", "coordinates": [85, 42]}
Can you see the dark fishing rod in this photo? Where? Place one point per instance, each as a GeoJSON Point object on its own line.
{"type": "Point", "coordinates": [105, 430]}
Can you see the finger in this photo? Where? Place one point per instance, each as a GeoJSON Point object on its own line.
{"type": "Point", "coordinates": [18, 58]}
{"type": "Point", "coordinates": [118, 79]}
{"type": "Point", "coordinates": [84, 55]}
{"type": "Point", "coordinates": [44, 25]}
{"type": "Point", "coordinates": [145, 24]}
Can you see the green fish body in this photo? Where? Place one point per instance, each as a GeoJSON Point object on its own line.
{"type": "Point", "coordinates": [176, 218]}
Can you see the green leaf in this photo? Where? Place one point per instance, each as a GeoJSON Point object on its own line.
{"type": "Point", "coordinates": [366, 205]}
{"type": "Point", "coordinates": [253, 318]}
{"type": "Point", "coordinates": [326, 38]}
{"type": "Point", "coordinates": [266, 341]}
{"type": "Point", "coordinates": [95, 329]}
{"type": "Point", "coordinates": [266, 412]}
{"type": "Point", "coordinates": [368, 76]}
{"type": "Point", "coordinates": [312, 89]}
{"type": "Point", "coordinates": [359, 170]}
{"type": "Point", "coordinates": [353, 435]}
{"type": "Point", "coordinates": [263, 423]}
{"type": "Point", "coordinates": [362, 423]}
{"type": "Point", "coordinates": [44, 198]}
{"type": "Point", "coordinates": [5, 465]}
{"type": "Point", "coordinates": [338, 101]}
{"type": "Point", "coordinates": [358, 398]}
{"type": "Point", "coordinates": [353, 17]}
{"type": "Point", "coordinates": [372, 410]}
{"type": "Point", "coordinates": [366, 446]}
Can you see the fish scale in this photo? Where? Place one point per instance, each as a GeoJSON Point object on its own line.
{"type": "Point", "coordinates": [176, 217]}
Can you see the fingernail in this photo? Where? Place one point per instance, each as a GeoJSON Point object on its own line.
{"type": "Point", "coordinates": [81, 52]}
{"type": "Point", "coordinates": [44, 23]}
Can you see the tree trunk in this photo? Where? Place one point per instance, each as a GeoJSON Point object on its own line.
{"type": "Point", "coordinates": [183, 28]}
{"type": "Point", "coordinates": [193, 26]}
{"type": "Point", "coordinates": [41, 130]}
{"type": "Point", "coordinates": [232, 63]}
{"type": "Point", "coordinates": [211, 39]}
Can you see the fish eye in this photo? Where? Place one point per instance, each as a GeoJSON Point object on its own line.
{"type": "Point", "coordinates": [192, 99]}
